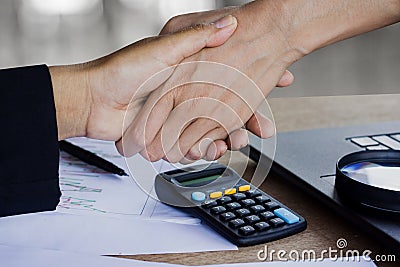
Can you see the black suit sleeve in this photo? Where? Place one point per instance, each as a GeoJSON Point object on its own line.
{"type": "Point", "coordinates": [29, 154]}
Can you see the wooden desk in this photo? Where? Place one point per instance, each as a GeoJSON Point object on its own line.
{"type": "Point", "coordinates": [324, 226]}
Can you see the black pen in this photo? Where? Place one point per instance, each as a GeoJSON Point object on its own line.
{"type": "Point", "coordinates": [90, 158]}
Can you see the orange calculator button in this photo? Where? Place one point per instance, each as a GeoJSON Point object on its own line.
{"type": "Point", "coordinates": [244, 188]}
{"type": "Point", "coordinates": [216, 194]}
{"type": "Point", "coordinates": [230, 191]}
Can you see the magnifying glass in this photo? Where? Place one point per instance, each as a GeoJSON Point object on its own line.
{"type": "Point", "coordinates": [370, 179]}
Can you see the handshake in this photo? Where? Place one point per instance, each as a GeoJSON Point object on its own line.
{"type": "Point", "coordinates": [190, 93]}
{"type": "Point", "coordinates": [193, 91]}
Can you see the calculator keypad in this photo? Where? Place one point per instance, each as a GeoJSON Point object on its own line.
{"type": "Point", "coordinates": [247, 202]}
{"type": "Point", "coordinates": [217, 210]}
{"type": "Point", "coordinates": [243, 212]}
{"type": "Point", "coordinates": [271, 205]}
{"type": "Point", "coordinates": [246, 230]}
{"type": "Point", "coordinates": [249, 212]}
{"type": "Point", "coordinates": [236, 223]}
{"type": "Point", "coordinates": [224, 200]}
{"type": "Point", "coordinates": [262, 226]}
{"type": "Point", "coordinates": [252, 219]}
{"type": "Point", "coordinates": [227, 216]}
{"type": "Point", "coordinates": [257, 209]}
{"type": "Point", "coordinates": [238, 196]}
{"type": "Point", "coordinates": [233, 206]}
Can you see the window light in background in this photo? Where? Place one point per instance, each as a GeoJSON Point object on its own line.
{"type": "Point", "coordinates": [139, 4]}
{"type": "Point", "coordinates": [170, 8]}
{"type": "Point", "coordinates": [63, 7]}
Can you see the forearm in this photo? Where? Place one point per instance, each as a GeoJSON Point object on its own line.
{"type": "Point", "coordinates": [312, 24]}
{"type": "Point", "coordinates": [71, 100]}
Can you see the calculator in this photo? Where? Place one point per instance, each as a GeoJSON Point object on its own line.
{"type": "Point", "coordinates": [230, 205]}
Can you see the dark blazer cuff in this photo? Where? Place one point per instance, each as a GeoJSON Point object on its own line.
{"type": "Point", "coordinates": [29, 155]}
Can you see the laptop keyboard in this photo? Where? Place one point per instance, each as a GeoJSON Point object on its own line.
{"type": "Point", "coordinates": [377, 142]}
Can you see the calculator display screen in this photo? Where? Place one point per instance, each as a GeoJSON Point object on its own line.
{"type": "Point", "coordinates": [200, 180]}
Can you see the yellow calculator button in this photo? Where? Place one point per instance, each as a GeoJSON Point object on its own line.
{"type": "Point", "coordinates": [244, 188]}
{"type": "Point", "coordinates": [216, 194]}
{"type": "Point", "coordinates": [230, 191]}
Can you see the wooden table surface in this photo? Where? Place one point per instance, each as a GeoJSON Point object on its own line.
{"type": "Point", "coordinates": [324, 226]}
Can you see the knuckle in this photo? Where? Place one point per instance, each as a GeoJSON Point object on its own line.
{"type": "Point", "coordinates": [136, 139]}
{"type": "Point", "coordinates": [173, 24]}
{"type": "Point", "coordinates": [151, 155]}
{"type": "Point", "coordinates": [194, 154]}
{"type": "Point", "coordinates": [199, 27]}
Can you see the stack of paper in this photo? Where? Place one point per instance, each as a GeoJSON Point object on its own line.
{"type": "Point", "coordinates": [22, 257]}
{"type": "Point", "coordinates": [102, 213]}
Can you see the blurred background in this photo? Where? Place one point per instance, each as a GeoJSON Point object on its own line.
{"type": "Point", "coordinates": [71, 31]}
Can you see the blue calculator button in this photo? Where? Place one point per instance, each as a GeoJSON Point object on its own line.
{"type": "Point", "coordinates": [198, 196]}
{"type": "Point", "coordinates": [286, 215]}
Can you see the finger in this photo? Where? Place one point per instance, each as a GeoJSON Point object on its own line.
{"type": "Point", "coordinates": [182, 21]}
{"type": "Point", "coordinates": [286, 80]}
{"type": "Point", "coordinates": [219, 145]}
{"type": "Point", "coordinates": [178, 135]}
{"type": "Point", "coordinates": [221, 148]}
{"type": "Point", "coordinates": [203, 148]}
{"type": "Point", "coordinates": [189, 137]}
{"type": "Point", "coordinates": [260, 125]}
{"type": "Point", "coordinates": [173, 48]}
{"type": "Point", "coordinates": [141, 131]}
{"type": "Point", "coordinates": [237, 139]}
{"type": "Point", "coordinates": [186, 43]}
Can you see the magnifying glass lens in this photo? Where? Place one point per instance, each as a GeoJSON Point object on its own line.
{"type": "Point", "coordinates": [382, 174]}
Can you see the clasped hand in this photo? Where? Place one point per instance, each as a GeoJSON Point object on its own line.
{"type": "Point", "coordinates": [104, 99]}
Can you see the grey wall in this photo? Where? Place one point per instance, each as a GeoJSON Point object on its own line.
{"type": "Point", "coordinates": [367, 64]}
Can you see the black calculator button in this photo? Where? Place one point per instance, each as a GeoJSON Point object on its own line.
{"type": "Point", "coordinates": [227, 216]}
{"type": "Point", "coordinates": [248, 202]}
{"type": "Point", "coordinates": [238, 196]}
{"type": "Point", "coordinates": [209, 204]}
{"type": "Point", "coordinates": [257, 209]}
{"type": "Point", "coordinates": [266, 215]}
{"type": "Point", "coordinates": [276, 222]}
{"type": "Point", "coordinates": [246, 230]}
{"type": "Point", "coordinates": [242, 212]}
{"type": "Point", "coordinates": [262, 199]}
{"type": "Point", "coordinates": [224, 200]}
{"type": "Point", "coordinates": [236, 223]}
{"type": "Point", "coordinates": [253, 193]}
{"type": "Point", "coordinates": [233, 206]}
{"type": "Point", "coordinates": [252, 219]}
{"type": "Point", "coordinates": [218, 210]}
{"type": "Point", "coordinates": [262, 226]}
{"type": "Point", "coordinates": [271, 205]}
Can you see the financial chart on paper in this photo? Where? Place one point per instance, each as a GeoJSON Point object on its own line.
{"type": "Point", "coordinates": [87, 189]}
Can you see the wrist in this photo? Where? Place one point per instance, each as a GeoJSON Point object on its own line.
{"type": "Point", "coordinates": [71, 97]}
{"type": "Point", "coordinates": [313, 24]}
{"type": "Point", "coordinates": [261, 24]}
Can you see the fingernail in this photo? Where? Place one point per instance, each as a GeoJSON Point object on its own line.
{"type": "Point", "coordinates": [224, 149]}
{"type": "Point", "coordinates": [225, 22]}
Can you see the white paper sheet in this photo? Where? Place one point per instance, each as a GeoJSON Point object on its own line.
{"type": "Point", "coordinates": [342, 262]}
{"type": "Point", "coordinates": [107, 236]}
{"type": "Point", "coordinates": [23, 257]}
{"type": "Point", "coordinates": [87, 190]}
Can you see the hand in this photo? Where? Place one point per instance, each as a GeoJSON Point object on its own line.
{"type": "Point", "coordinates": [257, 124]}
{"type": "Point", "coordinates": [92, 98]}
{"type": "Point", "coordinates": [243, 50]}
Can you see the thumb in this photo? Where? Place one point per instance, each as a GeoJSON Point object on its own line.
{"type": "Point", "coordinates": [193, 39]}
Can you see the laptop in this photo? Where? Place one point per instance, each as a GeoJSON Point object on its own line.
{"type": "Point", "coordinates": [308, 159]}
